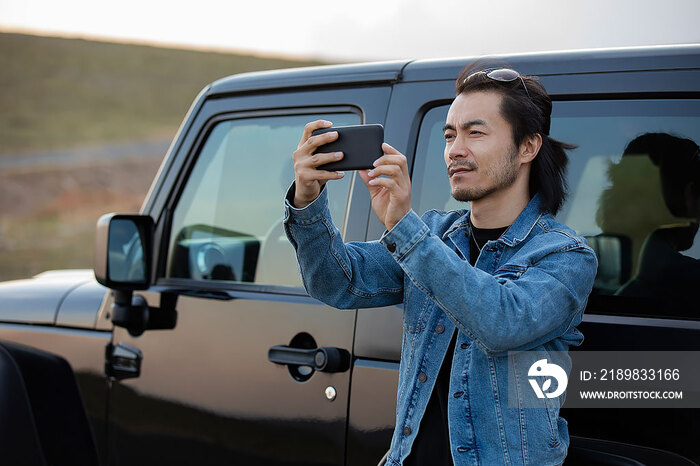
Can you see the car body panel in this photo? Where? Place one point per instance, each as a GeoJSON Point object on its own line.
{"type": "Point", "coordinates": [79, 308]}
{"type": "Point", "coordinates": [37, 300]}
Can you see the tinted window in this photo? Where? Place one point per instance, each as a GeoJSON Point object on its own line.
{"type": "Point", "coordinates": [634, 187]}
{"type": "Point", "coordinates": [634, 193]}
{"type": "Point", "coordinates": [228, 221]}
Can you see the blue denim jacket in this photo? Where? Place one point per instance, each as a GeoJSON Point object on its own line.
{"type": "Point", "coordinates": [527, 291]}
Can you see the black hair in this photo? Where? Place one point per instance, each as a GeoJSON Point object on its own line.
{"type": "Point", "coordinates": [527, 107]}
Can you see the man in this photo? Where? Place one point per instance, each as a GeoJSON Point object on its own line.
{"type": "Point", "coordinates": [503, 276]}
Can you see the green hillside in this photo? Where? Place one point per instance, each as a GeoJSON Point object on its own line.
{"type": "Point", "coordinates": [59, 93]}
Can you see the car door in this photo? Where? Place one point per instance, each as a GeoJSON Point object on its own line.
{"type": "Point", "coordinates": [208, 392]}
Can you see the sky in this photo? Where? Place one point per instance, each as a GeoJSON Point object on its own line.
{"type": "Point", "coordinates": [360, 30]}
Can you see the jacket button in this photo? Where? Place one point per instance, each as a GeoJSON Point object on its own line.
{"type": "Point", "coordinates": [391, 247]}
{"type": "Point", "coordinates": [439, 328]}
{"type": "Point", "coordinates": [458, 394]}
{"type": "Point", "coordinates": [422, 377]}
{"type": "Point", "coordinates": [463, 346]}
{"type": "Point", "coordinates": [407, 430]}
{"type": "Point", "coordinates": [462, 449]}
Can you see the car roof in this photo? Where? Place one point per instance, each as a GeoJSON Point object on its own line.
{"type": "Point", "coordinates": [568, 62]}
{"type": "Point", "coordinates": [386, 71]}
{"type": "Point", "coordinates": [667, 57]}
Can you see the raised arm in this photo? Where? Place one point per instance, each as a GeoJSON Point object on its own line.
{"type": "Point", "coordinates": [342, 275]}
{"type": "Point", "coordinates": [352, 275]}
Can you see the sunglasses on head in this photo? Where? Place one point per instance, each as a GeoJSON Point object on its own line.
{"type": "Point", "coordinates": [504, 75]}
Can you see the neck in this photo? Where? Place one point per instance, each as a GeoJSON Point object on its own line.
{"type": "Point", "coordinates": [502, 207]}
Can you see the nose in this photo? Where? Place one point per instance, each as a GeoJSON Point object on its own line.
{"type": "Point", "coordinates": [458, 149]}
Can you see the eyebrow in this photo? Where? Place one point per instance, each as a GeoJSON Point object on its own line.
{"type": "Point", "coordinates": [465, 125]}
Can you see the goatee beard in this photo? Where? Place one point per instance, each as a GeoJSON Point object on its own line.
{"type": "Point", "coordinates": [503, 175]}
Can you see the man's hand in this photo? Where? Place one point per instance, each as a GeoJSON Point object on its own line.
{"type": "Point", "coordinates": [308, 179]}
{"type": "Point", "coordinates": [391, 195]}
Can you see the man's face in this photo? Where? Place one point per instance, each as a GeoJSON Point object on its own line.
{"type": "Point", "coordinates": [479, 151]}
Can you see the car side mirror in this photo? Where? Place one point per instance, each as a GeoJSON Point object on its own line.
{"type": "Point", "coordinates": [123, 251]}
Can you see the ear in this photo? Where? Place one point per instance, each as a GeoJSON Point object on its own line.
{"type": "Point", "coordinates": [530, 147]}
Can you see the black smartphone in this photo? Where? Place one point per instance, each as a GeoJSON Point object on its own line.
{"type": "Point", "coordinates": [360, 144]}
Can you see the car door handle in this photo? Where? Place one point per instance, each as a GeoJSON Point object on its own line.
{"type": "Point", "coordinates": [325, 359]}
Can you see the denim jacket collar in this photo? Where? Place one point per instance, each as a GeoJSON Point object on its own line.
{"type": "Point", "coordinates": [520, 228]}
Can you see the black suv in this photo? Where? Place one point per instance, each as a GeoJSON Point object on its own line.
{"type": "Point", "coordinates": [216, 360]}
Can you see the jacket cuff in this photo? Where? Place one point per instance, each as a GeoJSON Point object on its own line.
{"type": "Point", "coordinates": [405, 235]}
{"type": "Point", "coordinates": [310, 214]}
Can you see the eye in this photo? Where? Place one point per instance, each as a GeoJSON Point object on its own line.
{"type": "Point", "coordinates": [475, 132]}
{"type": "Point", "coordinates": [449, 136]}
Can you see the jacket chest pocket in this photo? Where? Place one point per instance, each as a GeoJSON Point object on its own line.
{"type": "Point", "coordinates": [416, 309]}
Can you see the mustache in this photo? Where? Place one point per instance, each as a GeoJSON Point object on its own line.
{"type": "Point", "coordinates": [469, 165]}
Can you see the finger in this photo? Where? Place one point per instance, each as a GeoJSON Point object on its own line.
{"type": "Point", "coordinates": [393, 159]}
{"type": "Point", "coordinates": [388, 183]}
{"type": "Point", "coordinates": [390, 153]}
{"type": "Point", "coordinates": [313, 142]}
{"type": "Point", "coordinates": [366, 179]}
{"type": "Point", "coordinates": [389, 170]}
{"type": "Point", "coordinates": [311, 127]}
{"type": "Point", "coordinates": [320, 175]}
{"type": "Point", "coordinates": [389, 149]}
{"type": "Point", "coordinates": [322, 158]}
{"type": "Point", "coordinates": [390, 159]}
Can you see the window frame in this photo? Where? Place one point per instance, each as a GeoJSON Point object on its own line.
{"type": "Point", "coordinates": [219, 289]}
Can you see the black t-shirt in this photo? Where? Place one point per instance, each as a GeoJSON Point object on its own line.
{"type": "Point", "coordinates": [432, 443]}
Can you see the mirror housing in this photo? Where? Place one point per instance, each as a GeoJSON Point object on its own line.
{"type": "Point", "coordinates": [123, 256]}
{"type": "Point", "coordinates": [123, 251]}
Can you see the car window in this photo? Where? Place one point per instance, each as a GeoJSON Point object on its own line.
{"type": "Point", "coordinates": [227, 224]}
{"type": "Point", "coordinates": [429, 182]}
{"type": "Point", "coordinates": [634, 193]}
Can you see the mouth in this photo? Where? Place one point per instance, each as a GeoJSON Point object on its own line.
{"type": "Point", "coordinates": [460, 171]}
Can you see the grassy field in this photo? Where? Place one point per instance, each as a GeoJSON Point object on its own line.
{"type": "Point", "coordinates": [57, 93]}
{"type": "Point", "coordinates": [49, 213]}
{"type": "Point", "coordinates": [68, 93]}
